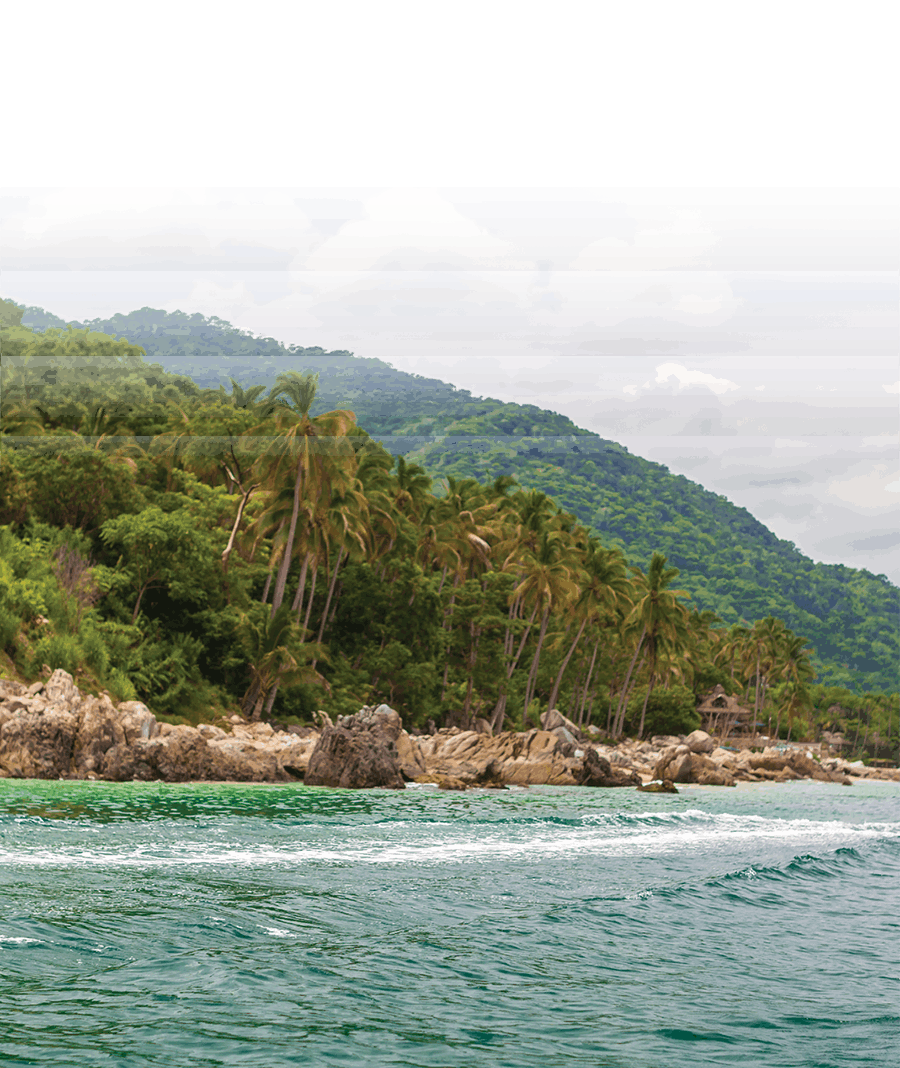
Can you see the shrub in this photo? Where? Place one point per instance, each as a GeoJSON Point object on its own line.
{"type": "Point", "coordinates": [671, 711]}
{"type": "Point", "coordinates": [58, 651]}
{"type": "Point", "coordinates": [10, 625]}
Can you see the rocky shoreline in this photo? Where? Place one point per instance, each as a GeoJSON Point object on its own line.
{"type": "Point", "coordinates": [50, 730]}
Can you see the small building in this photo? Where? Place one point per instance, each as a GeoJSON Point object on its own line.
{"type": "Point", "coordinates": [722, 714]}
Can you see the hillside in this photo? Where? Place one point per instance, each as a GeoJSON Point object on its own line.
{"type": "Point", "coordinates": [730, 562]}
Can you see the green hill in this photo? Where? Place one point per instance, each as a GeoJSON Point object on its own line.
{"type": "Point", "coordinates": [730, 562]}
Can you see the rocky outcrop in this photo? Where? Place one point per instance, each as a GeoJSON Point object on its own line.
{"type": "Point", "coordinates": [359, 752]}
{"type": "Point", "coordinates": [597, 771]}
{"type": "Point", "coordinates": [529, 759]}
{"type": "Point", "coordinates": [51, 730]}
{"type": "Point", "coordinates": [678, 763]}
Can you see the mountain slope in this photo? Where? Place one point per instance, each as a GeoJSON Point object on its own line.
{"type": "Point", "coordinates": [731, 563]}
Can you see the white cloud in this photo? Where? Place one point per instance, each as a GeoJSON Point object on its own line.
{"type": "Point", "coordinates": [133, 215]}
{"type": "Point", "coordinates": [686, 377]}
{"type": "Point", "coordinates": [399, 222]}
{"type": "Point", "coordinates": [76, 203]}
{"type": "Point", "coordinates": [680, 244]}
{"type": "Point", "coordinates": [866, 491]}
{"type": "Point", "coordinates": [790, 443]}
{"type": "Point", "coordinates": [697, 305]}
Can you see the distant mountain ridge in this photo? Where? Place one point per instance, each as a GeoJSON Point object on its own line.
{"type": "Point", "coordinates": [731, 562]}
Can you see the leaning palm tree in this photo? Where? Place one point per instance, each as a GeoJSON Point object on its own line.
{"type": "Point", "coordinates": [662, 620]}
{"type": "Point", "coordinates": [604, 585]}
{"type": "Point", "coordinates": [275, 655]}
{"type": "Point", "coordinates": [313, 446]}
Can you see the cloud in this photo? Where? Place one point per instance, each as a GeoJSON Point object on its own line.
{"type": "Point", "coordinates": [680, 244]}
{"type": "Point", "coordinates": [155, 229]}
{"type": "Point", "coordinates": [408, 229]}
{"type": "Point", "coordinates": [697, 305]}
{"type": "Point", "coordinates": [867, 491]}
{"type": "Point", "coordinates": [686, 377]}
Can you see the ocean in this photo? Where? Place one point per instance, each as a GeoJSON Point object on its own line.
{"type": "Point", "coordinates": [191, 926]}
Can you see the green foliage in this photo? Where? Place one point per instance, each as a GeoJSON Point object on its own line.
{"type": "Point", "coordinates": [672, 711]}
{"type": "Point", "coordinates": [473, 597]}
{"type": "Point", "coordinates": [730, 563]}
{"type": "Point", "coordinates": [58, 651]}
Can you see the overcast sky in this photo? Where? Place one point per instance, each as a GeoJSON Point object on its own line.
{"type": "Point", "coordinates": [649, 316]}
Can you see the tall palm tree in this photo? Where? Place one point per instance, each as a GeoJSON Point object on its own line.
{"type": "Point", "coordinates": [603, 584]}
{"type": "Point", "coordinates": [662, 620]}
{"type": "Point", "coordinates": [547, 584]}
{"type": "Point", "coordinates": [312, 446]}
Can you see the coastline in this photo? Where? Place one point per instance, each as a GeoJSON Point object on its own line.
{"type": "Point", "coordinates": [51, 730]}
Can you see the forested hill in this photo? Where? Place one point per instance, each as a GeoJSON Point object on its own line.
{"type": "Point", "coordinates": [731, 563]}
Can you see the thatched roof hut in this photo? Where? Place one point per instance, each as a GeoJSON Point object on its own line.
{"type": "Point", "coordinates": [722, 714]}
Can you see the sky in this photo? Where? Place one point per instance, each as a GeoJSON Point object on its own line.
{"type": "Point", "coordinates": [746, 339]}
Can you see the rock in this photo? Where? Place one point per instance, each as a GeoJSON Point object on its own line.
{"type": "Point", "coordinates": [100, 728]}
{"type": "Point", "coordinates": [60, 689]}
{"type": "Point", "coordinates": [359, 752]}
{"type": "Point", "coordinates": [553, 720]}
{"type": "Point", "coordinates": [597, 771]}
{"type": "Point", "coordinates": [37, 744]}
{"type": "Point", "coordinates": [658, 786]}
{"type": "Point", "coordinates": [412, 763]}
{"type": "Point", "coordinates": [714, 777]}
{"type": "Point", "coordinates": [679, 764]}
{"type": "Point", "coordinates": [664, 741]}
{"type": "Point", "coordinates": [699, 742]}
{"type": "Point", "coordinates": [137, 721]}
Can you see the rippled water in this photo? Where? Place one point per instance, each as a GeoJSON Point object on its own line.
{"type": "Point", "coordinates": [148, 924]}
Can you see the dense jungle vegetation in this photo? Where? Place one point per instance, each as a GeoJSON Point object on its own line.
{"type": "Point", "coordinates": [202, 546]}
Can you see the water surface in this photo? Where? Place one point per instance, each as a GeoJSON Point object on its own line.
{"type": "Point", "coordinates": [147, 925]}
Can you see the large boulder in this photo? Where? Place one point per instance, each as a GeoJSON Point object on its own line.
{"type": "Point", "coordinates": [531, 758]}
{"type": "Point", "coordinates": [359, 752]}
{"type": "Point", "coordinates": [99, 729]}
{"type": "Point", "coordinates": [597, 771]}
{"type": "Point", "coordinates": [678, 764]}
{"type": "Point", "coordinates": [699, 742]}
{"type": "Point", "coordinates": [37, 743]}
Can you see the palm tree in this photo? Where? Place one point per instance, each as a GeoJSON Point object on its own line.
{"type": "Point", "coordinates": [604, 583]}
{"type": "Point", "coordinates": [547, 583]}
{"type": "Point", "coordinates": [271, 642]}
{"type": "Point", "coordinates": [303, 441]}
{"type": "Point", "coordinates": [662, 620]}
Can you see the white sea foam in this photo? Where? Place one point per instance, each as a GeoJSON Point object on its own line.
{"type": "Point", "coordinates": [20, 941]}
{"type": "Point", "coordinates": [637, 836]}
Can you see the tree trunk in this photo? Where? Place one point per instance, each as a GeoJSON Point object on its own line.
{"type": "Point", "coordinates": [331, 585]}
{"type": "Point", "coordinates": [500, 707]}
{"type": "Point", "coordinates": [475, 637]}
{"type": "Point", "coordinates": [301, 585]}
{"type": "Point", "coordinates": [626, 696]}
{"type": "Point", "coordinates": [556, 685]}
{"type": "Point", "coordinates": [644, 709]}
{"type": "Point", "coordinates": [309, 603]}
{"type": "Point", "coordinates": [587, 683]}
{"type": "Point", "coordinates": [281, 579]}
{"type": "Point", "coordinates": [620, 715]}
{"type": "Point", "coordinates": [531, 684]}
{"type": "Point", "coordinates": [237, 522]}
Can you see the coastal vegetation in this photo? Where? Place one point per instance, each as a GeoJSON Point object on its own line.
{"type": "Point", "coordinates": [207, 546]}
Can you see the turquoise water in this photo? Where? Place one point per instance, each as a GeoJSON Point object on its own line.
{"type": "Point", "coordinates": [148, 924]}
